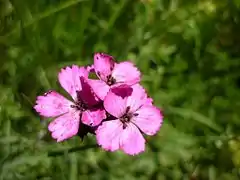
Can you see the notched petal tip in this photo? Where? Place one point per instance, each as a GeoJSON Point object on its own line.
{"type": "Point", "coordinates": [99, 55]}
{"type": "Point", "coordinates": [60, 140]}
{"type": "Point", "coordinates": [111, 72]}
{"type": "Point", "coordinates": [149, 119]}
{"type": "Point", "coordinates": [69, 79]}
{"type": "Point", "coordinates": [135, 153]}
{"type": "Point", "coordinates": [103, 65]}
{"type": "Point", "coordinates": [126, 72]}
{"type": "Point", "coordinates": [108, 135]}
{"type": "Point", "coordinates": [52, 104]}
{"type": "Point", "coordinates": [65, 126]}
{"type": "Point", "coordinates": [90, 69]}
{"type": "Point", "coordinates": [75, 69]}
{"type": "Point", "coordinates": [132, 141]}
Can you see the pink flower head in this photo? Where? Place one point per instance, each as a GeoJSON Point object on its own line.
{"type": "Point", "coordinates": [111, 74]}
{"type": "Point", "coordinates": [69, 113]}
{"type": "Point", "coordinates": [132, 113]}
{"type": "Point", "coordinates": [90, 68]}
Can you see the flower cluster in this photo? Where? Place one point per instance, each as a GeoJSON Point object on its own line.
{"type": "Point", "coordinates": [115, 106]}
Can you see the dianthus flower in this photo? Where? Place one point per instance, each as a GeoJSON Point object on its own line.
{"type": "Point", "coordinates": [84, 108]}
{"type": "Point", "coordinates": [131, 112]}
{"type": "Point", "coordinates": [111, 74]}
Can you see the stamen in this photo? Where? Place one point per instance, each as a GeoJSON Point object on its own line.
{"type": "Point", "coordinates": [126, 118]}
{"type": "Point", "coordinates": [127, 109]}
{"type": "Point", "coordinates": [72, 106]}
{"type": "Point", "coordinates": [110, 80]}
{"type": "Point", "coordinates": [135, 114]}
{"type": "Point", "coordinates": [79, 106]}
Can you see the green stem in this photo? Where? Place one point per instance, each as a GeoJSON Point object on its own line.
{"type": "Point", "coordinates": [71, 150]}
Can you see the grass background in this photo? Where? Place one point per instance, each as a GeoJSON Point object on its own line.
{"type": "Point", "coordinates": [188, 52]}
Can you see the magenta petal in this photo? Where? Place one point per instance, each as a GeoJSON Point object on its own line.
{"type": "Point", "coordinates": [69, 79]}
{"type": "Point", "coordinates": [108, 135]}
{"type": "Point", "coordinates": [149, 119]}
{"type": "Point", "coordinates": [115, 104]}
{"type": "Point", "coordinates": [99, 87]}
{"type": "Point", "coordinates": [90, 69]}
{"type": "Point", "coordinates": [137, 98]}
{"type": "Point", "coordinates": [52, 104]}
{"type": "Point", "coordinates": [132, 141]}
{"type": "Point", "coordinates": [103, 65]}
{"type": "Point", "coordinates": [126, 72]}
{"type": "Point", "coordinates": [149, 101]}
{"type": "Point", "coordinates": [87, 94]}
{"type": "Point", "coordinates": [65, 126]}
{"type": "Point", "coordinates": [93, 117]}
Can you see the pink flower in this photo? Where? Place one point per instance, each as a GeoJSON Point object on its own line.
{"type": "Point", "coordinates": [90, 68]}
{"type": "Point", "coordinates": [111, 74]}
{"type": "Point", "coordinates": [132, 113]}
{"type": "Point", "coordinates": [69, 113]}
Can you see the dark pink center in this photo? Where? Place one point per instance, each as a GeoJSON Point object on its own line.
{"type": "Point", "coordinates": [110, 80]}
{"type": "Point", "coordinates": [79, 106]}
{"type": "Point", "coordinates": [126, 118]}
{"type": "Point", "coordinates": [79, 103]}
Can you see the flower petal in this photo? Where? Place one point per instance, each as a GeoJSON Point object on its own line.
{"type": "Point", "coordinates": [108, 135]}
{"type": "Point", "coordinates": [90, 69]}
{"type": "Point", "coordinates": [149, 119]}
{"type": "Point", "coordinates": [69, 79]}
{"type": "Point", "coordinates": [137, 98]}
{"type": "Point", "coordinates": [103, 65]}
{"type": "Point", "coordinates": [65, 126]}
{"type": "Point", "coordinates": [52, 104]}
{"type": "Point", "coordinates": [115, 102]}
{"type": "Point", "coordinates": [86, 94]}
{"type": "Point", "coordinates": [132, 141]}
{"type": "Point", "coordinates": [126, 72]}
{"type": "Point", "coordinates": [149, 101]}
{"type": "Point", "coordinates": [99, 87]}
{"type": "Point", "coordinates": [93, 117]}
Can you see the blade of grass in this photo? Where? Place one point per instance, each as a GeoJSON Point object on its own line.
{"type": "Point", "coordinates": [73, 167]}
{"type": "Point", "coordinates": [86, 13]}
{"type": "Point", "coordinates": [42, 16]}
{"type": "Point", "coordinates": [187, 113]}
{"type": "Point", "coordinates": [116, 13]}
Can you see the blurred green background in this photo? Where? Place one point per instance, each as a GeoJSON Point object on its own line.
{"type": "Point", "coordinates": [188, 52]}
